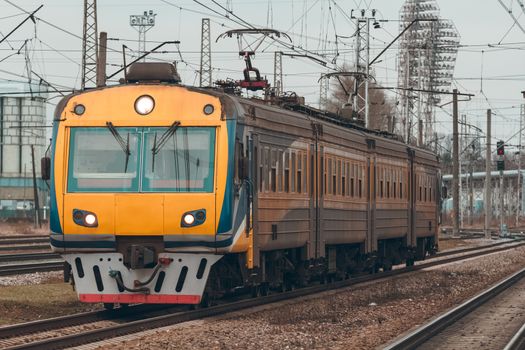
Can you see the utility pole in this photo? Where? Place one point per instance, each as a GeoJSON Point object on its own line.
{"type": "Point", "coordinates": [323, 92]}
{"type": "Point", "coordinates": [278, 73]}
{"type": "Point", "coordinates": [205, 70]}
{"type": "Point", "coordinates": [520, 180]}
{"type": "Point", "coordinates": [101, 62]}
{"type": "Point", "coordinates": [142, 23]}
{"type": "Point", "coordinates": [488, 190]}
{"type": "Point", "coordinates": [501, 202]}
{"type": "Point", "coordinates": [361, 74]}
{"type": "Point", "coordinates": [35, 190]}
{"type": "Point", "coordinates": [89, 45]}
{"type": "Point", "coordinates": [455, 163]}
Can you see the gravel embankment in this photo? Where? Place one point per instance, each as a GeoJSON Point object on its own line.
{"type": "Point", "coordinates": [355, 318]}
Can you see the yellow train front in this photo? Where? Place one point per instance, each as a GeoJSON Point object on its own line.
{"type": "Point", "coordinates": [142, 203]}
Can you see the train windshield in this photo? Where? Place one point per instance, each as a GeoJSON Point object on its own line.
{"type": "Point", "coordinates": [100, 161]}
{"type": "Point", "coordinates": [183, 163]}
{"type": "Point", "coordinates": [117, 159]}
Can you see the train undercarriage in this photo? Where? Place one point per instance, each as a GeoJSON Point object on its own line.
{"type": "Point", "coordinates": [282, 270]}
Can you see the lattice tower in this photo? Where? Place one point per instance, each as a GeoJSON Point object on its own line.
{"type": "Point", "coordinates": [205, 69]}
{"type": "Point", "coordinates": [278, 73]}
{"type": "Point", "coordinates": [426, 60]}
{"type": "Point", "coordinates": [89, 45]}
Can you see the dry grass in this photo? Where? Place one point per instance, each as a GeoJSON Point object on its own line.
{"type": "Point", "coordinates": [453, 243]}
{"type": "Point", "coordinates": [22, 227]}
{"type": "Point", "coordinates": [33, 302]}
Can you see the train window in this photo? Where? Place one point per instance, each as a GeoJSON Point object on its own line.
{"type": "Point", "coordinates": [339, 177]}
{"type": "Point", "coordinates": [343, 186]}
{"type": "Point", "coordinates": [267, 169]}
{"type": "Point", "coordinates": [420, 192]}
{"type": "Point", "coordinates": [305, 175]}
{"type": "Point", "coordinates": [299, 181]}
{"type": "Point", "coordinates": [352, 187]}
{"type": "Point", "coordinates": [312, 176]}
{"type": "Point", "coordinates": [98, 164]}
{"type": "Point", "coordinates": [185, 163]}
{"type": "Point", "coordinates": [425, 193]}
{"type": "Point", "coordinates": [388, 189]}
{"type": "Point", "coordinates": [381, 189]}
{"type": "Point", "coordinates": [281, 169]}
{"type": "Point", "coordinates": [273, 179]}
{"type": "Point", "coordinates": [286, 179]}
{"type": "Point", "coordinates": [401, 190]}
{"type": "Point", "coordinates": [323, 174]}
{"type": "Point", "coordinates": [394, 185]}
{"type": "Point", "coordinates": [360, 188]}
{"type": "Point", "coordinates": [292, 178]}
{"type": "Point", "coordinates": [328, 172]}
{"type": "Point", "coordinates": [260, 177]}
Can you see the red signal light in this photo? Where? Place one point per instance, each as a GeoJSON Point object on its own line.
{"type": "Point", "coordinates": [500, 150]}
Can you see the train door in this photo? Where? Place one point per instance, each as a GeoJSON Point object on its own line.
{"type": "Point", "coordinates": [256, 181]}
{"type": "Point", "coordinates": [371, 240]}
{"type": "Point", "coordinates": [316, 170]}
{"type": "Point", "coordinates": [411, 232]}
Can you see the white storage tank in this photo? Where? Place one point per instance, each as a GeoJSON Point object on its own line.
{"type": "Point", "coordinates": [23, 124]}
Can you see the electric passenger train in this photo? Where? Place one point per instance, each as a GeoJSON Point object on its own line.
{"type": "Point", "coordinates": [162, 193]}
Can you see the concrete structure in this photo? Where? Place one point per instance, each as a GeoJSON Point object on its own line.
{"type": "Point", "coordinates": [471, 196]}
{"type": "Point", "coordinates": [22, 125]}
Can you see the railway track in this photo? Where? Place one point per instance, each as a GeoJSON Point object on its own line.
{"type": "Point", "coordinates": [486, 321]}
{"type": "Point", "coordinates": [28, 256]}
{"type": "Point", "coordinates": [25, 242]}
{"type": "Point", "coordinates": [13, 269]}
{"type": "Point", "coordinates": [517, 342]}
{"type": "Point", "coordinates": [91, 327]}
{"type": "Point", "coordinates": [19, 269]}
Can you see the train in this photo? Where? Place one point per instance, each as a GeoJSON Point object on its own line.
{"type": "Point", "coordinates": [165, 193]}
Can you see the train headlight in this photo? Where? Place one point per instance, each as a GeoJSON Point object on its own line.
{"type": "Point", "coordinates": [189, 219]}
{"type": "Point", "coordinates": [193, 218]}
{"type": "Point", "coordinates": [90, 219]}
{"type": "Point", "coordinates": [208, 109]}
{"type": "Point", "coordinates": [79, 109]}
{"type": "Point", "coordinates": [85, 218]}
{"type": "Point", "coordinates": [144, 104]}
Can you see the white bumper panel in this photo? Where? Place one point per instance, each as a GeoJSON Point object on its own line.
{"type": "Point", "coordinates": [180, 282]}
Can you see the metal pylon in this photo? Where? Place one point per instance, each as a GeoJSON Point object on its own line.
{"type": "Point", "coordinates": [278, 73]}
{"type": "Point", "coordinates": [89, 45]}
{"type": "Point", "coordinates": [205, 70]}
{"type": "Point", "coordinates": [324, 84]}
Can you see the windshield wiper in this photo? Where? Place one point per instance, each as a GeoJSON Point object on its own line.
{"type": "Point", "coordinates": [123, 144]}
{"type": "Point", "coordinates": [162, 140]}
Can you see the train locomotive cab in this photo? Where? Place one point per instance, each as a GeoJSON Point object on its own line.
{"type": "Point", "coordinates": [141, 197]}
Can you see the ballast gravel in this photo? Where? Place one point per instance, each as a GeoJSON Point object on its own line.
{"type": "Point", "coordinates": [362, 317]}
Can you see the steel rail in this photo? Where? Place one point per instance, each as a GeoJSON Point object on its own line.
{"type": "Point", "coordinates": [427, 331]}
{"type": "Point", "coordinates": [24, 247]}
{"type": "Point", "coordinates": [2, 238]}
{"type": "Point", "coordinates": [9, 270]}
{"type": "Point", "coordinates": [28, 256]}
{"type": "Point", "coordinates": [170, 319]}
{"type": "Point", "coordinates": [23, 240]}
{"type": "Point", "coordinates": [470, 249]}
{"type": "Point", "coordinates": [518, 340]}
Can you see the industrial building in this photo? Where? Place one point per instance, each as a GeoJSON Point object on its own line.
{"type": "Point", "coordinates": [22, 126]}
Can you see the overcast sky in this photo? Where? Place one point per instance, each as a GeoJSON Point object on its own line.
{"type": "Point", "coordinates": [489, 63]}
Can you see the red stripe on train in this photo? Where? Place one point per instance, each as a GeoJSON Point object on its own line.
{"type": "Point", "coordinates": [140, 298]}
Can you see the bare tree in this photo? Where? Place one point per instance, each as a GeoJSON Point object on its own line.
{"type": "Point", "coordinates": [381, 108]}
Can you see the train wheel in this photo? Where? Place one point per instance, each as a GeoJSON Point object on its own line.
{"type": "Point", "coordinates": [410, 262]}
{"type": "Point", "coordinates": [256, 291]}
{"type": "Point", "coordinates": [109, 306]}
{"type": "Point", "coordinates": [265, 290]}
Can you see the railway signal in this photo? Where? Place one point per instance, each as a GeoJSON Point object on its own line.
{"type": "Point", "coordinates": [500, 148]}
